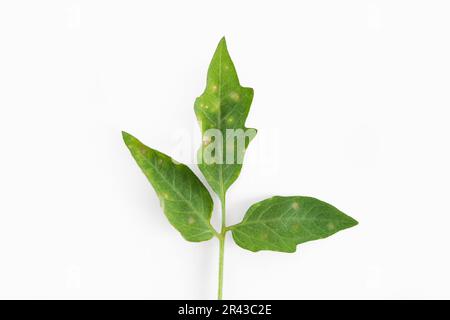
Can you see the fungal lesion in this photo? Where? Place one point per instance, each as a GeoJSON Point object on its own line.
{"type": "Point", "coordinates": [214, 88]}
{"type": "Point", "coordinates": [234, 96]}
{"type": "Point", "coordinates": [295, 206]}
{"type": "Point", "coordinates": [203, 105]}
{"type": "Point", "coordinates": [144, 151]}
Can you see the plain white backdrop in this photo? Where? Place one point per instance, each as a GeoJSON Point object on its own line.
{"type": "Point", "coordinates": [351, 106]}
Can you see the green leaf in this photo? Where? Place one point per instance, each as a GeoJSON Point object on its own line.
{"type": "Point", "coordinates": [185, 200]}
{"type": "Point", "coordinates": [221, 112]}
{"type": "Point", "coordinates": [280, 223]}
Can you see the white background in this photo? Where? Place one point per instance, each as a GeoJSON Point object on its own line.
{"type": "Point", "coordinates": [351, 103]}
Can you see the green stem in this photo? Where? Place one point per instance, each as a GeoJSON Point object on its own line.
{"type": "Point", "coordinates": [222, 248]}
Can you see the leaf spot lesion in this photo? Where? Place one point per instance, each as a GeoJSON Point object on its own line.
{"type": "Point", "coordinates": [234, 96]}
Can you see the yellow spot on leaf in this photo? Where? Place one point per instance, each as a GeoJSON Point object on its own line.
{"type": "Point", "coordinates": [295, 206]}
{"type": "Point", "coordinates": [234, 96]}
{"type": "Point", "coordinates": [191, 220]}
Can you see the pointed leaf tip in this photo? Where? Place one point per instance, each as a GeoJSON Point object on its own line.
{"type": "Point", "coordinates": [353, 222]}
{"type": "Point", "coordinates": [221, 46]}
{"type": "Point", "coordinates": [129, 139]}
{"type": "Point", "coordinates": [126, 136]}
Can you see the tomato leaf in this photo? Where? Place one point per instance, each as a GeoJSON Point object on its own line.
{"type": "Point", "coordinates": [185, 200]}
{"type": "Point", "coordinates": [281, 223]}
{"type": "Point", "coordinates": [221, 112]}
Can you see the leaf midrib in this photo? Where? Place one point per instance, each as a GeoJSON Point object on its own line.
{"type": "Point", "coordinates": [219, 124]}
{"type": "Point", "coordinates": [263, 221]}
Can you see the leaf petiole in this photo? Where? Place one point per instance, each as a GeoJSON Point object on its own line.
{"type": "Point", "coordinates": [223, 231]}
